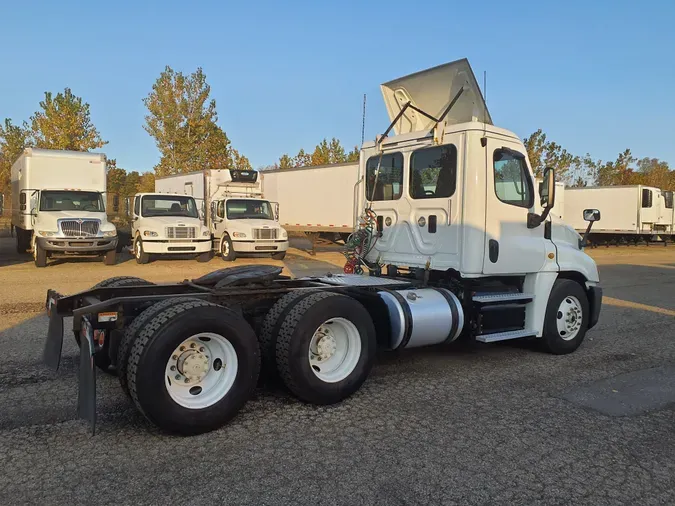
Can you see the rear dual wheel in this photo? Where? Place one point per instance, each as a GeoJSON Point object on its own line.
{"type": "Point", "coordinates": [192, 366]}
{"type": "Point", "coordinates": [322, 345]}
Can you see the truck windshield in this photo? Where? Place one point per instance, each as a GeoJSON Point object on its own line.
{"type": "Point", "coordinates": [168, 205]}
{"type": "Point", "coordinates": [239, 209]}
{"type": "Point", "coordinates": [52, 200]}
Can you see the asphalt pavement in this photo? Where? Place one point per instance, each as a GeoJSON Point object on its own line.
{"type": "Point", "coordinates": [481, 424]}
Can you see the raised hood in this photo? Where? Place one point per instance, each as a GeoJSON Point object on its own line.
{"type": "Point", "coordinates": [432, 90]}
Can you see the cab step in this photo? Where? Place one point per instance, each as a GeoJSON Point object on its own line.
{"type": "Point", "coordinates": [504, 336]}
{"type": "Point", "coordinates": [484, 298]}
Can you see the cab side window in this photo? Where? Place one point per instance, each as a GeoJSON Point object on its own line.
{"type": "Point", "coordinates": [384, 177]}
{"type": "Point", "coordinates": [433, 172]}
{"type": "Point", "coordinates": [513, 185]}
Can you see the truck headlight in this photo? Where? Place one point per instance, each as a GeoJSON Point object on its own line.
{"type": "Point", "coordinates": [238, 234]}
{"type": "Point", "coordinates": [47, 233]}
{"type": "Point", "coordinates": [150, 233]}
{"type": "Point", "coordinates": [109, 233]}
{"type": "Point", "coordinates": [284, 234]}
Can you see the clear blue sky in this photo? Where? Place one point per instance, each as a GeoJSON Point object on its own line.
{"type": "Point", "coordinates": [596, 76]}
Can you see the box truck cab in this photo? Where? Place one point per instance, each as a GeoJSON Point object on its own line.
{"type": "Point", "coordinates": [58, 205]}
{"type": "Point", "coordinates": [164, 224]}
{"type": "Point", "coordinates": [239, 218]}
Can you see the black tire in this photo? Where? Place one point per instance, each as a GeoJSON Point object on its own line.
{"type": "Point", "coordinates": [40, 256]}
{"type": "Point", "coordinates": [153, 348]}
{"type": "Point", "coordinates": [110, 258]}
{"type": "Point", "coordinates": [279, 256]}
{"type": "Point", "coordinates": [551, 340]}
{"type": "Point", "coordinates": [141, 256]}
{"type": "Point", "coordinates": [21, 243]}
{"type": "Point", "coordinates": [293, 340]}
{"type": "Point", "coordinates": [102, 359]}
{"type": "Point", "coordinates": [132, 331]}
{"type": "Point", "coordinates": [227, 252]}
{"type": "Point", "coordinates": [205, 257]}
{"type": "Point", "coordinates": [269, 330]}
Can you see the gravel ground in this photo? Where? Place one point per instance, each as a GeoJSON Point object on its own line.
{"type": "Point", "coordinates": [483, 424]}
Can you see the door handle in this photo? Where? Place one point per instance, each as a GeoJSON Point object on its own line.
{"type": "Point", "coordinates": [380, 223]}
{"type": "Point", "coordinates": [432, 224]}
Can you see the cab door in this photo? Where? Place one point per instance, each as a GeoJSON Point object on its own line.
{"type": "Point", "coordinates": [510, 246]}
{"type": "Point", "coordinates": [218, 218]}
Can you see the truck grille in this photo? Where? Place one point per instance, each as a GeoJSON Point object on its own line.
{"type": "Point", "coordinates": [181, 232]}
{"type": "Point", "coordinates": [79, 228]}
{"type": "Point", "coordinates": [265, 233]}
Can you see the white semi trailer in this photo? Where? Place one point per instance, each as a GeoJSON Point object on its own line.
{"type": "Point", "coordinates": [239, 217]}
{"type": "Point", "coordinates": [58, 205]}
{"type": "Point", "coordinates": [329, 209]}
{"type": "Point", "coordinates": [630, 213]}
{"type": "Point", "coordinates": [449, 230]}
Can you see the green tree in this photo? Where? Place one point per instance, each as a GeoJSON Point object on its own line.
{"type": "Point", "coordinates": [618, 172]}
{"type": "Point", "coordinates": [654, 172]}
{"type": "Point", "coordinates": [286, 162]}
{"type": "Point", "coordinates": [146, 183]}
{"type": "Point", "coordinates": [13, 140]}
{"type": "Point", "coordinates": [353, 155]}
{"type": "Point", "coordinates": [543, 153]}
{"type": "Point", "coordinates": [131, 184]}
{"type": "Point", "coordinates": [64, 122]}
{"type": "Point", "coordinates": [183, 121]}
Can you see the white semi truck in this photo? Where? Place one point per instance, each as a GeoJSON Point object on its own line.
{"type": "Point", "coordinates": [630, 213]}
{"type": "Point", "coordinates": [164, 224]}
{"type": "Point", "coordinates": [58, 205]}
{"type": "Point", "coordinates": [447, 226]}
{"type": "Point", "coordinates": [239, 217]}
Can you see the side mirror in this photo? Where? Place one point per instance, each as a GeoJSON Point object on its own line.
{"type": "Point", "coordinates": [127, 207]}
{"type": "Point", "coordinates": [591, 215]}
{"type": "Point", "coordinates": [276, 211]}
{"type": "Point", "coordinates": [547, 189]}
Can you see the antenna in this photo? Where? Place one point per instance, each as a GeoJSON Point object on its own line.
{"type": "Point", "coordinates": [363, 122]}
{"type": "Point", "coordinates": [485, 100]}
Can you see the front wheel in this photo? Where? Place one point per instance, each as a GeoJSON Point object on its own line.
{"type": "Point", "coordinates": [192, 367]}
{"type": "Point", "coordinates": [110, 258]}
{"type": "Point", "coordinates": [40, 255]}
{"type": "Point", "coordinates": [141, 256]}
{"type": "Point", "coordinates": [227, 250]}
{"type": "Point", "coordinates": [325, 347]}
{"type": "Point", "coordinates": [566, 319]}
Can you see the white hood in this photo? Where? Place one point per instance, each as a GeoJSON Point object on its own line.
{"type": "Point", "coordinates": [432, 91]}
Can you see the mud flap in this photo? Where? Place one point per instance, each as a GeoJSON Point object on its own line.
{"type": "Point", "coordinates": [86, 396]}
{"type": "Point", "coordinates": [52, 351]}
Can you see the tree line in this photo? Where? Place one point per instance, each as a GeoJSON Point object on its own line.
{"type": "Point", "coordinates": [183, 121]}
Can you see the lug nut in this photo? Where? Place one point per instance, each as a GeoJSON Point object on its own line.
{"type": "Point", "coordinates": [182, 348]}
{"type": "Point", "coordinates": [173, 367]}
{"type": "Point", "coordinates": [187, 380]}
{"type": "Point", "coordinates": [174, 357]}
{"type": "Point", "coordinates": [177, 376]}
{"type": "Point", "coordinates": [192, 345]}
{"type": "Point", "coordinates": [201, 349]}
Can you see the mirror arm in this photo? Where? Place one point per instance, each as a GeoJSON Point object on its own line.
{"type": "Point", "coordinates": [584, 240]}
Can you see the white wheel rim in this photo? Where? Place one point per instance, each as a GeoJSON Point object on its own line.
{"type": "Point", "coordinates": [201, 370]}
{"type": "Point", "coordinates": [569, 318]}
{"type": "Point", "coordinates": [138, 249]}
{"type": "Point", "coordinates": [334, 350]}
{"type": "Point", "coordinates": [226, 248]}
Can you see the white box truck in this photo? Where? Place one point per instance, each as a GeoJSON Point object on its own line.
{"type": "Point", "coordinates": [164, 224]}
{"type": "Point", "coordinates": [239, 217]}
{"type": "Point", "coordinates": [454, 256]}
{"type": "Point", "coordinates": [319, 200]}
{"type": "Point", "coordinates": [629, 213]}
{"type": "Point", "coordinates": [58, 205]}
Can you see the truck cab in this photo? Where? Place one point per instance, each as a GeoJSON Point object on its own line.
{"type": "Point", "coordinates": [454, 196]}
{"type": "Point", "coordinates": [164, 224]}
{"type": "Point", "coordinates": [244, 222]}
{"type": "Point", "coordinates": [58, 206]}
